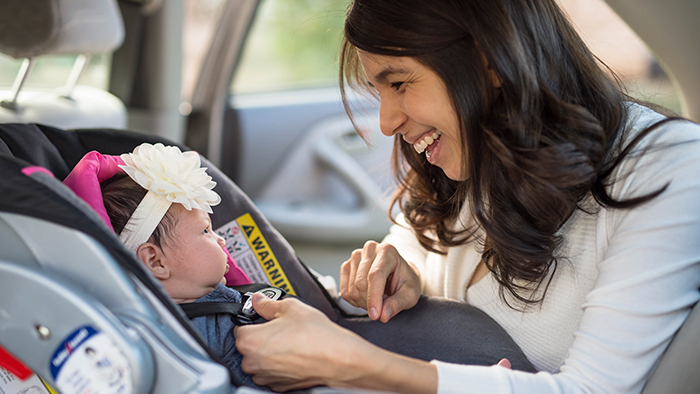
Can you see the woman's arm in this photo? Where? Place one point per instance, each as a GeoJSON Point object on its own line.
{"type": "Point", "coordinates": [300, 347]}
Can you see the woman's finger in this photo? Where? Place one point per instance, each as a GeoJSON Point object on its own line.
{"type": "Point", "coordinates": [394, 285]}
{"type": "Point", "coordinates": [358, 287]}
{"type": "Point", "coordinates": [347, 278]}
{"type": "Point", "coordinates": [353, 293]}
{"type": "Point", "coordinates": [265, 307]}
{"type": "Point", "coordinates": [377, 283]}
{"type": "Point", "coordinates": [504, 363]}
{"type": "Point", "coordinates": [344, 276]}
{"type": "Point", "coordinates": [369, 253]}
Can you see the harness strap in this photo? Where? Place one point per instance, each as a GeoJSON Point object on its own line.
{"type": "Point", "coordinates": [198, 309]}
{"type": "Point", "coordinates": [241, 312]}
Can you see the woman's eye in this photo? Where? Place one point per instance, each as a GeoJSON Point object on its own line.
{"type": "Point", "coordinates": [396, 85]}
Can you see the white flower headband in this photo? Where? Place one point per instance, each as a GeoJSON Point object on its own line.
{"type": "Point", "coordinates": [170, 176]}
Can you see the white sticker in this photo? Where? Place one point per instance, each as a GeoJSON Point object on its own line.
{"type": "Point", "coordinates": [247, 245]}
{"type": "Point", "coordinates": [88, 362]}
{"type": "Point", "coordinates": [239, 249]}
{"type": "Point", "coordinates": [9, 384]}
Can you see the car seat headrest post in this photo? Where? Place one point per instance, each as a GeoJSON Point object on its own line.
{"type": "Point", "coordinates": [79, 67]}
{"type": "Point", "coordinates": [20, 79]}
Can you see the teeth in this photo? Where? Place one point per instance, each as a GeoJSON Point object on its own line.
{"type": "Point", "coordinates": [421, 146]}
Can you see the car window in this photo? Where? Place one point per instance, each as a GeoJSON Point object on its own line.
{"type": "Point", "coordinates": [291, 45]}
{"type": "Point", "coordinates": [618, 46]}
{"type": "Point", "coordinates": [294, 44]}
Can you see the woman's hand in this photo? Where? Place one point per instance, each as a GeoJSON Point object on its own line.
{"type": "Point", "coordinates": [300, 347]}
{"type": "Point", "coordinates": [379, 280]}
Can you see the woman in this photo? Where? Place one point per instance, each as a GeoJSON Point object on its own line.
{"type": "Point", "coordinates": [530, 187]}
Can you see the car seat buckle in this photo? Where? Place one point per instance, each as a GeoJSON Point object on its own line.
{"type": "Point", "coordinates": [248, 314]}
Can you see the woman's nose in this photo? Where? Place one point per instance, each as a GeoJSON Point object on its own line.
{"type": "Point", "coordinates": [391, 116]}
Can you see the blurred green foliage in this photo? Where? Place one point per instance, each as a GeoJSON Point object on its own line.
{"type": "Point", "coordinates": [292, 44]}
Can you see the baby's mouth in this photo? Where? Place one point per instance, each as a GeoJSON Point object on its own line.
{"type": "Point", "coordinates": [421, 145]}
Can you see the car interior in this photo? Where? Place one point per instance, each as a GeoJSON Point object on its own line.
{"type": "Point", "coordinates": [63, 273]}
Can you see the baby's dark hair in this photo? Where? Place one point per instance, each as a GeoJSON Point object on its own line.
{"type": "Point", "coordinates": [121, 196]}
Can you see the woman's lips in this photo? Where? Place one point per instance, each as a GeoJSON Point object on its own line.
{"type": "Point", "coordinates": [422, 144]}
{"type": "Point", "coordinates": [432, 152]}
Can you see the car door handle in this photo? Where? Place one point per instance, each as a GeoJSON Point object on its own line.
{"type": "Point", "coordinates": [312, 220]}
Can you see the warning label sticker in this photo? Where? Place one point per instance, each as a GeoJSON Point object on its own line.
{"type": "Point", "coordinates": [247, 245]}
{"type": "Point", "coordinates": [9, 384]}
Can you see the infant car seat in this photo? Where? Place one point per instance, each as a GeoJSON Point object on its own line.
{"type": "Point", "coordinates": [71, 293]}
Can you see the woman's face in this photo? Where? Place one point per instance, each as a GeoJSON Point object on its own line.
{"type": "Point", "coordinates": [414, 103]}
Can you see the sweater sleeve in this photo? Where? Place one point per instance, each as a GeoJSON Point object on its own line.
{"type": "Point", "coordinates": [648, 279]}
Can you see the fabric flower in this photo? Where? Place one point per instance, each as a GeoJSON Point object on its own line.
{"type": "Point", "coordinates": [169, 172]}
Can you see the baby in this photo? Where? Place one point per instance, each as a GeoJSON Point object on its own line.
{"type": "Point", "coordinates": [183, 252]}
{"type": "Point", "coordinates": [157, 200]}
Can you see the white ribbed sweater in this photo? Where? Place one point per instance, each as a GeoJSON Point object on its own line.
{"type": "Point", "coordinates": [625, 287]}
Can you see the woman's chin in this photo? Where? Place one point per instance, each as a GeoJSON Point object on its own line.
{"type": "Point", "coordinates": [454, 174]}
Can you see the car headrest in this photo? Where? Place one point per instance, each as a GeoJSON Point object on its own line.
{"type": "Point", "coordinates": [30, 28]}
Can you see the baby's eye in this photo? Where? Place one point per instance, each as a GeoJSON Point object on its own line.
{"type": "Point", "coordinates": [206, 230]}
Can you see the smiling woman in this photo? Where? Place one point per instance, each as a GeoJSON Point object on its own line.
{"type": "Point", "coordinates": [530, 186]}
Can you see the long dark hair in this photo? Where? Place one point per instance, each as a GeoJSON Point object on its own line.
{"type": "Point", "coordinates": [535, 147]}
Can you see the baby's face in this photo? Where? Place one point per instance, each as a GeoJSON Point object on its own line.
{"type": "Point", "coordinates": [194, 255]}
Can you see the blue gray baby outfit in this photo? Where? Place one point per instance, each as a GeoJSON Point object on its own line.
{"type": "Point", "coordinates": [217, 331]}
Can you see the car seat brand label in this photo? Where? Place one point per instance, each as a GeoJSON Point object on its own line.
{"type": "Point", "coordinates": [247, 245]}
{"type": "Point", "coordinates": [88, 362]}
{"type": "Point", "coordinates": [9, 384]}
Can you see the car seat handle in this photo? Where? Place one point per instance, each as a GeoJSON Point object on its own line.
{"type": "Point", "coordinates": [13, 365]}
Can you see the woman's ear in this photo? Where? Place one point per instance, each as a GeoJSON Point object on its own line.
{"type": "Point", "coordinates": [152, 256]}
{"type": "Point", "coordinates": [493, 77]}
{"type": "Point", "coordinates": [495, 80]}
